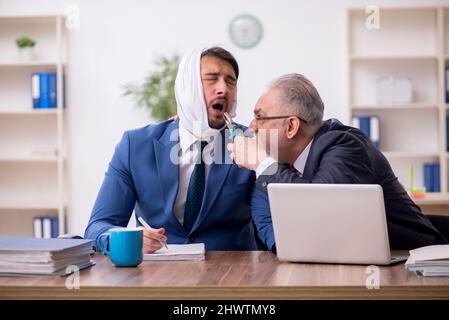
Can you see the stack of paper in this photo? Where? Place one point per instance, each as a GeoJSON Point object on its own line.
{"type": "Point", "coordinates": [37, 256]}
{"type": "Point", "coordinates": [192, 252]}
{"type": "Point", "coordinates": [430, 261]}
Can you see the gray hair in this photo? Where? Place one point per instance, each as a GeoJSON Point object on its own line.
{"type": "Point", "coordinates": [297, 91]}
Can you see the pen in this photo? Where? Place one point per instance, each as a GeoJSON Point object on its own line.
{"type": "Point", "coordinates": [148, 227]}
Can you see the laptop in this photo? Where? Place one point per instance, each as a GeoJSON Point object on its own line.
{"type": "Point", "coordinates": [330, 223]}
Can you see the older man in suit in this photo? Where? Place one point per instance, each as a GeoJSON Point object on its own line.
{"type": "Point", "coordinates": [310, 150]}
{"type": "Point", "coordinates": [175, 175]}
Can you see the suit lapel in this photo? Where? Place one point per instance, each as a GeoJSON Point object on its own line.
{"type": "Point", "coordinates": [168, 169]}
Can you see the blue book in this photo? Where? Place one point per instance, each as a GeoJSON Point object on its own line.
{"type": "Point", "coordinates": [428, 177]}
{"type": "Point", "coordinates": [436, 178]}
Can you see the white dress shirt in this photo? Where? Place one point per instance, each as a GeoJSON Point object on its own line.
{"type": "Point", "coordinates": [300, 162]}
{"type": "Point", "coordinates": [187, 157]}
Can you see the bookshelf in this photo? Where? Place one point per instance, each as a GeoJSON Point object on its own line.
{"type": "Point", "coordinates": [411, 43]}
{"type": "Point", "coordinates": [33, 142]}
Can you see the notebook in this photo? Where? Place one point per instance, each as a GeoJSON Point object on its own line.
{"type": "Point", "coordinates": [429, 261]}
{"type": "Point", "coordinates": [178, 252]}
{"type": "Point", "coordinates": [37, 256]}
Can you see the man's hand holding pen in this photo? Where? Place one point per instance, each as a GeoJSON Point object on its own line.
{"type": "Point", "coordinates": [153, 239]}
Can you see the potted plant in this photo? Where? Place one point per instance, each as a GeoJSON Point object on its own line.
{"type": "Point", "coordinates": [25, 45]}
{"type": "Point", "coordinates": [156, 94]}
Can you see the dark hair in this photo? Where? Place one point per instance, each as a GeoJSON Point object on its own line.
{"type": "Point", "coordinates": [222, 54]}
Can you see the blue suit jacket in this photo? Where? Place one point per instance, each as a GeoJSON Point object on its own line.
{"type": "Point", "coordinates": [142, 177]}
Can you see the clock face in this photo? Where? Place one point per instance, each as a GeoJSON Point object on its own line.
{"type": "Point", "coordinates": [245, 31]}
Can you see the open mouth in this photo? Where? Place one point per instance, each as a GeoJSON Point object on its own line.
{"type": "Point", "coordinates": [218, 106]}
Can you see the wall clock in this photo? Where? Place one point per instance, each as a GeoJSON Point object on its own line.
{"type": "Point", "coordinates": [245, 31]}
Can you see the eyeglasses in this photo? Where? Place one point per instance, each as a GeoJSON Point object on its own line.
{"type": "Point", "coordinates": [257, 118]}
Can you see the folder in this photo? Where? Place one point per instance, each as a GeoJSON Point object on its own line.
{"type": "Point", "coordinates": [26, 255]}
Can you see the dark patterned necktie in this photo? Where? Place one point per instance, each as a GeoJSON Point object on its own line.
{"type": "Point", "coordinates": [293, 169]}
{"type": "Point", "coordinates": [195, 191]}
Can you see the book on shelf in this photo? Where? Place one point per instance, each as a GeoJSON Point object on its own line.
{"type": "Point", "coordinates": [45, 227]}
{"type": "Point", "coordinates": [44, 89]}
{"type": "Point", "coordinates": [370, 126]}
{"type": "Point", "coordinates": [429, 261]}
{"type": "Point", "coordinates": [432, 177]}
{"type": "Point", "coordinates": [31, 256]}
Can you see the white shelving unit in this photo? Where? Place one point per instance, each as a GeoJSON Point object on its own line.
{"type": "Point", "coordinates": [411, 43]}
{"type": "Point", "coordinates": [33, 146]}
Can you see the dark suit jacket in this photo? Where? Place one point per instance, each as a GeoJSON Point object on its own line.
{"type": "Point", "coordinates": [342, 154]}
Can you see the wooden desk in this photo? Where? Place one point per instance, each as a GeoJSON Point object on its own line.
{"type": "Point", "coordinates": [228, 275]}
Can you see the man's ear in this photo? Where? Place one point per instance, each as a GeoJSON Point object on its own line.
{"type": "Point", "coordinates": [293, 127]}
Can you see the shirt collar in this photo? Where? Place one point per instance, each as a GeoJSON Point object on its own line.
{"type": "Point", "coordinates": [300, 162]}
{"type": "Point", "coordinates": [186, 138]}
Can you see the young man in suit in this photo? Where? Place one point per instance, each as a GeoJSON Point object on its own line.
{"type": "Point", "coordinates": [175, 174]}
{"type": "Point", "coordinates": [310, 150]}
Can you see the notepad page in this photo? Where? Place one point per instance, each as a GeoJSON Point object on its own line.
{"type": "Point", "coordinates": [191, 251]}
{"type": "Point", "coordinates": [434, 252]}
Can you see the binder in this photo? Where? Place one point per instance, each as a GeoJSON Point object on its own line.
{"type": "Point", "coordinates": [44, 89]}
{"type": "Point", "coordinates": [436, 178]}
{"type": "Point", "coordinates": [46, 228]}
{"type": "Point", "coordinates": [365, 124]}
{"type": "Point", "coordinates": [447, 83]}
{"type": "Point", "coordinates": [54, 227]}
{"type": "Point", "coordinates": [35, 89]}
{"type": "Point", "coordinates": [356, 122]}
{"type": "Point", "coordinates": [44, 85]}
{"type": "Point", "coordinates": [374, 131]}
{"type": "Point", "coordinates": [447, 133]}
{"type": "Point", "coordinates": [428, 177]}
{"type": "Point", "coordinates": [37, 227]}
{"type": "Point", "coordinates": [52, 89]}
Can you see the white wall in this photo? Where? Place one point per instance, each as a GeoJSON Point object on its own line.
{"type": "Point", "coordinates": [118, 39]}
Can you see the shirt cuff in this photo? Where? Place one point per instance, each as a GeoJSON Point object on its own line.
{"type": "Point", "coordinates": [264, 165]}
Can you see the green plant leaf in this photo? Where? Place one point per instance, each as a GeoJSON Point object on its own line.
{"type": "Point", "coordinates": [156, 94]}
{"type": "Point", "coordinates": [24, 42]}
